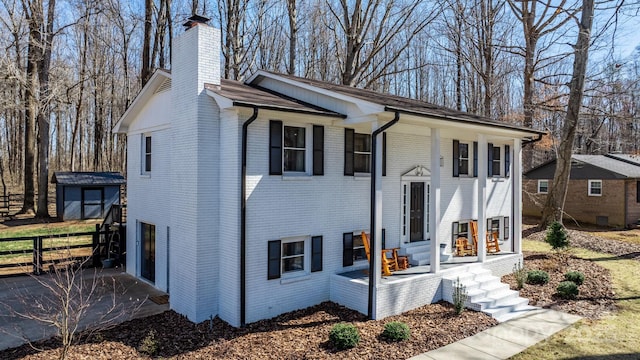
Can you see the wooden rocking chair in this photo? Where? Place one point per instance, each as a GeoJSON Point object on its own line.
{"type": "Point", "coordinates": [389, 264]}
{"type": "Point", "coordinates": [492, 242]}
{"type": "Point", "coordinates": [463, 248]}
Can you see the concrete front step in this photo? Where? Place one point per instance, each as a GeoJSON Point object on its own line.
{"type": "Point", "coordinates": [486, 293]}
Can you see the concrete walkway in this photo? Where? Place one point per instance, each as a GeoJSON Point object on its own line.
{"type": "Point", "coordinates": [19, 294]}
{"type": "Point", "coordinates": [507, 338]}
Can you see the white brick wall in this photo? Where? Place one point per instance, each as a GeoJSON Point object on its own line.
{"type": "Point", "coordinates": [194, 174]}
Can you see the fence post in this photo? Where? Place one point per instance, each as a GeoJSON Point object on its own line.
{"type": "Point", "coordinates": [37, 255]}
{"type": "Point", "coordinates": [96, 245]}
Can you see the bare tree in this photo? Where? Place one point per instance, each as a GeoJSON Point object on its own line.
{"type": "Point", "coordinates": [554, 205]}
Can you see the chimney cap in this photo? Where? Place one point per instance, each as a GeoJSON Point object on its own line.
{"type": "Point", "coordinates": [195, 20]}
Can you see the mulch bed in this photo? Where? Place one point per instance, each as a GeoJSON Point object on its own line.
{"type": "Point", "coordinates": [304, 334]}
{"type": "Point", "coordinates": [300, 334]}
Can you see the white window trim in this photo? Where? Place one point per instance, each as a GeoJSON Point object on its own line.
{"type": "Point", "coordinates": [469, 158]}
{"type": "Point", "coordinates": [143, 154]}
{"type": "Point", "coordinates": [539, 187]}
{"type": "Point", "coordinates": [356, 173]}
{"type": "Point", "coordinates": [308, 152]}
{"type": "Point", "coordinates": [306, 262]}
{"type": "Point", "coordinates": [589, 187]}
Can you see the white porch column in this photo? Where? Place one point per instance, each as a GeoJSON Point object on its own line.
{"type": "Point", "coordinates": [482, 196]}
{"type": "Point", "coordinates": [516, 178]}
{"type": "Point", "coordinates": [377, 251]}
{"type": "Point", "coordinates": [434, 202]}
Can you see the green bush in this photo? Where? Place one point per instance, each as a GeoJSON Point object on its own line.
{"type": "Point", "coordinates": [460, 296]}
{"type": "Point", "coordinates": [396, 331]}
{"type": "Point", "coordinates": [557, 236]}
{"type": "Point", "coordinates": [574, 276]}
{"type": "Point", "coordinates": [344, 336]}
{"type": "Point", "coordinates": [568, 290]}
{"type": "Point", "coordinates": [149, 344]}
{"type": "Point", "coordinates": [520, 274]}
{"type": "Point", "coordinates": [537, 277]}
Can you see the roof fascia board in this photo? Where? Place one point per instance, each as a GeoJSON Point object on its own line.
{"type": "Point", "coordinates": [158, 77]}
{"type": "Point", "coordinates": [365, 107]}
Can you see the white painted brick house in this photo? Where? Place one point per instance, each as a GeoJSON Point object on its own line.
{"type": "Point", "coordinates": [307, 189]}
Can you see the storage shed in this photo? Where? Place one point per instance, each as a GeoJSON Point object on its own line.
{"type": "Point", "coordinates": [86, 195]}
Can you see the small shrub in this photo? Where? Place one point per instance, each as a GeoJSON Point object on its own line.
{"type": "Point", "coordinates": [459, 296]}
{"type": "Point", "coordinates": [396, 331]}
{"type": "Point", "coordinates": [557, 236]}
{"type": "Point", "coordinates": [149, 344]}
{"type": "Point", "coordinates": [520, 274]}
{"type": "Point", "coordinates": [344, 336]}
{"type": "Point", "coordinates": [574, 276]}
{"type": "Point", "coordinates": [537, 277]}
{"type": "Point", "coordinates": [567, 290]}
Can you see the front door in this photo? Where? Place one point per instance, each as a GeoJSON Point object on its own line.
{"type": "Point", "coordinates": [148, 251]}
{"type": "Point", "coordinates": [416, 220]}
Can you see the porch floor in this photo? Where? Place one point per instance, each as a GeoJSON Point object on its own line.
{"type": "Point", "coordinates": [454, 262]}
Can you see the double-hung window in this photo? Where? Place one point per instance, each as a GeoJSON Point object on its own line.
{"type": "Point", "coordinates": [294, 149]}
{"type": "Point", "coordinates": [495, 161]}
{"type": "Point", "coordinates": [543, 186]}
{"type": "Point", "coordinates": [595, 187]}
{"type": "Point", "coordinates": [459, 229]}
{"type": "Point", "coordinates": [146, 154]}
{"type": "Point", "coordinates": [294, 256]}
{"type": "Point", "coordinates": [463, 159]}
{"type": "Point", "coordinates": [362, 153]}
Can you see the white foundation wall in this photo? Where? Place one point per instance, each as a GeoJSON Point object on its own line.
{"type": "Point", "coordinates": [148, 201]}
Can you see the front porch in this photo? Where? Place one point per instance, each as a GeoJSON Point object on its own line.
{"type": "Point", "coordinates": [417, 286]}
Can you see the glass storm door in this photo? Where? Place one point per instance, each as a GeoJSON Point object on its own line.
{"type": "Point", "coordinates": [148, 251]}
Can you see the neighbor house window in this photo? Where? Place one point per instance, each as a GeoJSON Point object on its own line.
{"type": "Point", "coordinates": [299, 255]}
{"type": "Point", "coordinates": [146, 147]}
{"type": "Point", "coordinates": [362, 153]}
{"type": "Point", "coordinates": [294, 148]}
{"type": "Point", "coordinates": [543, 186]}
{"type": "Point", "coordinates": [595, 187]}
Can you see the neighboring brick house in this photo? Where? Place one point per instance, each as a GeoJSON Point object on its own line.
{"type": "Point", "coordinates": [603, 189]}
{"type": "Point", "coordinates": [247, 199]}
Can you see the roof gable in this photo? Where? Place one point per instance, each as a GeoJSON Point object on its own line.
{"type": "Point", "coordinates": [160, 80]}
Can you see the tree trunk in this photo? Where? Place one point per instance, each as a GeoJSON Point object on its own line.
{"type": "Point", "coordinates": [554, 206]}
{"type": "Point", "coordinates": [145, 72]}
{"type": "Point", "coordinates": [293, 35]}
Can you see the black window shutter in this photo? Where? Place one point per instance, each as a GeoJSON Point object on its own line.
{"type": "Point", "coordinates": [318, 150]}
{"type": "Point", "coordinates": [490, 159]}
{"type": "Point", "coordinates": [454, 233]}
{"type": "Point", "coordinates": [456, 158]}
{"type": "Point", "coordinates": [507, 160]}
{"type": "Point", "coordinates": [349, 135]}
{"type": "Point", "coordinates": [274, 259]}
{"type": "Point", "coordinates": [475, 159]}
{"type": "Point", "coordinates": [347, 249]}
{"type": "Point", "coordinates": [506, 228]}
{"type": "Point", "coordinates": [638, 191]}
{"type": "Point", "coordinates": [384, 154]}
{"type": "Point", "coordinates": [275, 147]}
{"type": "Point", "coordinates": [384, 239]}
{"type": "Point", "coordinates": [316, 253]}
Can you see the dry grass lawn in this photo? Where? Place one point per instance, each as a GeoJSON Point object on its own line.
{"type": "Point", "coordinates": [614, 336]}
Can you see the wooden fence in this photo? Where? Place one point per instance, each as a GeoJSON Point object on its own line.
{"type": "Point", "coordinates": [39, 254]}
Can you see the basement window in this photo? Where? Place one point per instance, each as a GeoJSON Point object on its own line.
{"type": "Point", "coordinates": [543, 186]}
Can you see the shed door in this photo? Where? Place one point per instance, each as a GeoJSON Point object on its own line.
{"type": "Point", "coordinates": [92, 203]}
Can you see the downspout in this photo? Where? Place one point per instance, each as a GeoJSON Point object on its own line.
{"type": "Point", "coordinates": [243, 218]}
{"type": "Point", "coordinates": [372, 228]}
{"type": "Point", "coordinates": [533, 140]}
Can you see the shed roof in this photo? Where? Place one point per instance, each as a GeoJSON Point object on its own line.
{"type": "Point", "coordinates": [87, 178]}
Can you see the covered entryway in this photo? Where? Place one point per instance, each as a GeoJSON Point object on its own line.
{"type": "Point", "coordinates": [415, 205]}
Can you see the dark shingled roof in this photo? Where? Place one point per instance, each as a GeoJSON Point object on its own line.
{"type": "Point", "coordinates": [87, 178]}
{"type": "Point", "coordinates": [248, 95]}
{"type": "Point", "coordinates": [402, 104]}
{"type": "Point", "coordinates": [610, 166]}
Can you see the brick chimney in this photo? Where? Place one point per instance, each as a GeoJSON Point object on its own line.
{"type": "Point", "coordinates": [194, 182]}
